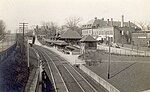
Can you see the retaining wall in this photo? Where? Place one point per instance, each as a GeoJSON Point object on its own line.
{"type": "Point", "coordinates": [100, 80]}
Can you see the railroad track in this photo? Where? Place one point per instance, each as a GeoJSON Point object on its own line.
{"type": "Point", "coordinates": [64, 76]}
{"type": "Point", "coordinates": [53, 73]}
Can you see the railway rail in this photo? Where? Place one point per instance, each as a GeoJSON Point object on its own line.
{"type": "Point", "coordinates": [64, 76]}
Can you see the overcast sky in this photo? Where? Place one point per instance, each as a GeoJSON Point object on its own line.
{"type": "Point", "coordinates": [36, 11]}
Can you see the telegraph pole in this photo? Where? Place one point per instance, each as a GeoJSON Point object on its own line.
{"type": "Point", "coordinates": [109, 59]}
{"type": "Point", "coordinates": [23, 25]}
{"type": "Point", "coordinates": [122, 38]}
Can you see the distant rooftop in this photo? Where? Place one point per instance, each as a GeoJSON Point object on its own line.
{"type": "Point", "coordinates": [88, 38]}
{"type": "Point", "coordinates": [103, 23]}
{"type": "Point", "coordinates": [142, 31]}
{"type": "Point", "coordinates": [70, 34]}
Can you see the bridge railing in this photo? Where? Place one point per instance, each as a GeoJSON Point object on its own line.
{"type": "Point", "coordinates": [4, 54]}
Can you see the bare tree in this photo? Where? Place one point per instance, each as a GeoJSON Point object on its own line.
{"type": "Point", "coordinates": [142, 25]}
{"type": "Point", "coordinates": [2, 27]}
{"type": "Point", "coordinates": [50, 28]}
{"type": "Point", "coordinates": [72, 22]}
{"type": "Point", "coordinates": [148, 26]}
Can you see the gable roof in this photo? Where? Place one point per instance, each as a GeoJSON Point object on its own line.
{"type": "Point", "coordinates": [70, 34]}
{"type": "Point", "coordinates": [126, 24]}
{"type": "Point", "coordinates": [125, 29]}
{"type": "Point", "coordinates": [103, 23]}
{"type": "Point", "coordinates": [88, 38]}
{"type": "Point", "coordinates": [95, 22]}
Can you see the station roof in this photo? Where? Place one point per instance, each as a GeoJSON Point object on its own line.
{"type": "Point", "coordinates": [88, 38]}
{"type": "Point", "coordinates": [57, 42]}
{"type": "Point", "coordinates": [70, 34]}
{"type": "Point", "coordinates": [61, 43]}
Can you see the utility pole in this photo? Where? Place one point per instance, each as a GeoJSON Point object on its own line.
{"type": "Point", "coordinates": [23, 25]}
{"type": "Point", "coordinates": [109, 59]}
{"type": "Point", "coordinates": [122, 38]}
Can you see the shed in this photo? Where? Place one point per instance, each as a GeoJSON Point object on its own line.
{"type": "Point", "coordinates": [141, 38]}
{"type": "Point", "coordinates": [88, 43]}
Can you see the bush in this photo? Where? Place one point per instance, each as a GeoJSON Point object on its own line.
{"type": "Point", "coordinates": [92, 57]}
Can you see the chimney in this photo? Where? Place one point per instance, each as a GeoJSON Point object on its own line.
{"type": "Point", "coordinates": [129, 24]}
{"type": "Point", "coordinates": [122, 21]}
{"type": "Point", "coordinates": [108, 24]}
{"type": "Point", "coordinates": [103, 19]}
{"type": "Point", "coordinates": [111, 21]}
{"type": "Point", "coordinates": [95, 18]}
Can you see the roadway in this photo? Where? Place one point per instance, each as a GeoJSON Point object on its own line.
{"type": "Point", "coordinates": [64, 76]}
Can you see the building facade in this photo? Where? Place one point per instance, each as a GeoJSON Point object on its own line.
{"type": "Point", "coordinates": [119, 32]}
{"type": "Point", "coordinates": [141, 38]}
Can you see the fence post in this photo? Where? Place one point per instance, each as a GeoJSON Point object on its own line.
{"type": "Point", "coordinates": [137, 49]}
{"type": "Point", "coordinates": [145, 53]}
{"type": "Point", "coordinates": [120, 52]}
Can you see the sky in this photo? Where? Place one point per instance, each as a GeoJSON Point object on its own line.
{"type": "Point", "coordinates": [34, 12]}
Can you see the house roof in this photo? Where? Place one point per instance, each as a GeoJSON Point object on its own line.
{"type": "Point", "coordinates": [103, 23]}
{"type": "Point", "coordinates": [61, 43]}
{"type": "Point", "coordinates": [126, 24]}
{"type": "Point", "coordinates": [125, 29]}
{"type": "Point", "coordinates": [70, 34]}
{"type": "Point", "coordinates": [57, 42]}
{"type": "Point", "coordinates": [94, 22]}
{"type": "Point", "coordinates": [88, 38]}
{"type": "Point", "coordinates": [142, 31]}
{"type": "Point", "coordinates": [53, 41]}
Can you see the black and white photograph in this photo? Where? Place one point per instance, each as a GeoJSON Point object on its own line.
{"type": "Point", "coordinates": [74, 45]}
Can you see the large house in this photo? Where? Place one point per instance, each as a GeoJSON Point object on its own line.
{"type": "Point", "coordinates": [118, 31]}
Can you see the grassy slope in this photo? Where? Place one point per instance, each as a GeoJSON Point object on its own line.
{"type": "Point", "coordinates": [14, 73]}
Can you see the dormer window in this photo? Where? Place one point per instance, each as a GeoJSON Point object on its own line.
{"type": "Point", "coordinates": [90, 25]}
{"type": "Point", "coordinates": [93, 26]}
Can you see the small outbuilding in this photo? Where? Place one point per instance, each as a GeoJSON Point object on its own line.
{"type": "Point", "coordinates": [141, 38]}
{"type": "Point", "coordinates": [88, 43]}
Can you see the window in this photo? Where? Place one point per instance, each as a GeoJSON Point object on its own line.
{"type": "Point", "coordinates": [89, 31]}
{"type": "Point", "coordinates": [106, 33]}
{"type": "Point", "coordinates": [127, 32]}
{"type": "Point", "coordinates": [97, 32]}
{"type": "Point", "coordinates": [102, 32]}
{"type": "Point", "coordinates": [91, 44]}
{"type": "Point", "coordinates": [111, 32]}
